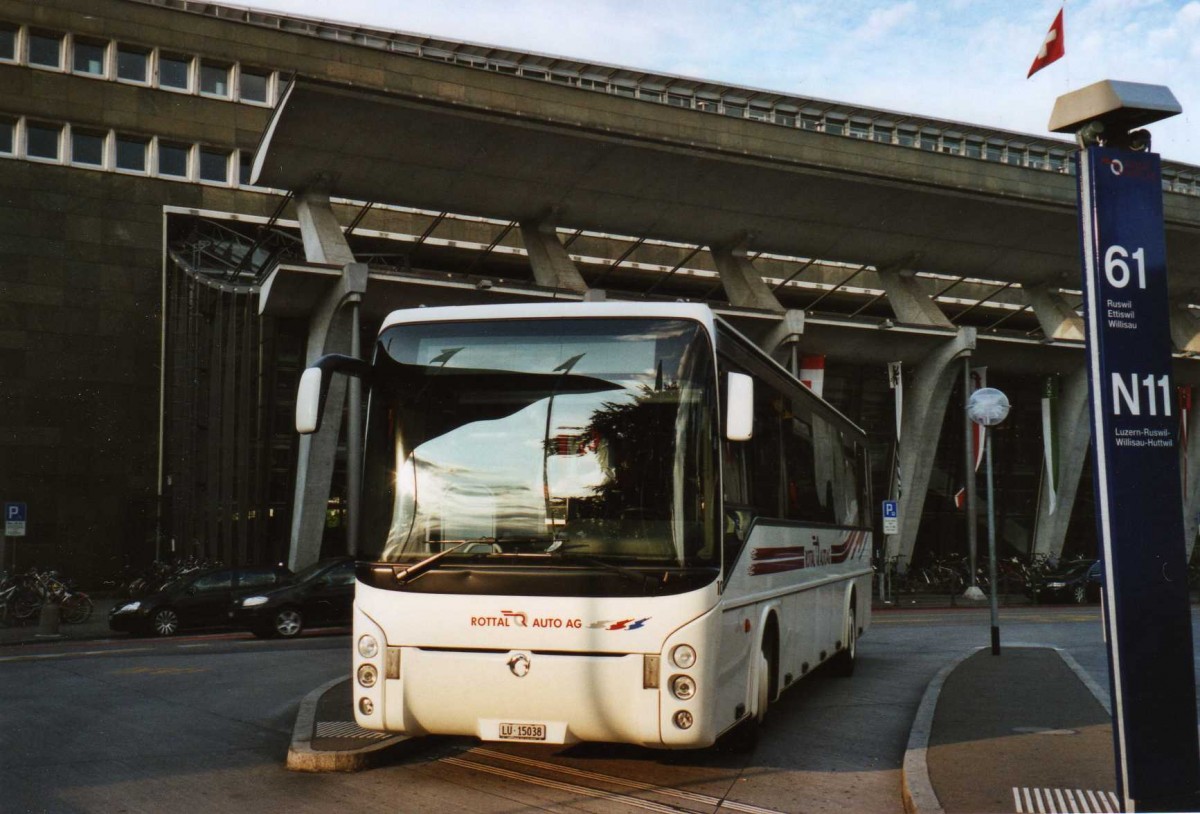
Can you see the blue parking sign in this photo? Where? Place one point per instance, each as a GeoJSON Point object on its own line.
{"type": "Point", "coordinates": [889, 509]}
{"type": "Point", "coordinates": [15, 515]}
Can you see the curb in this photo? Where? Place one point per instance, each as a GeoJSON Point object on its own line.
{"type": "Point", "coordinates": [916, 791]}
{"type": "Point", "coordinates": [302, 757]}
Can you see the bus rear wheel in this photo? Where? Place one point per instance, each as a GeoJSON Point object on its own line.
{"type": "Point", "coordinates": [843, 663]}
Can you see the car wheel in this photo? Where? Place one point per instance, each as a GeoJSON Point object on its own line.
{"type": "Point", "coordinates": [1079, 594]}
{"type": "Point", "coordinates": [288, 623]}
{"type": "Point", "coordinates": [164, 622]}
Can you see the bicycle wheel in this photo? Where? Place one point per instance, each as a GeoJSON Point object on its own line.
{"type": "Point", "coordinates": [26, 606]}
{"type": "Point", "coordinates": [76, 608]}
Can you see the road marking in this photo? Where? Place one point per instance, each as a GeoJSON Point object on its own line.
{"type": "Point", "coordinates": [1063, 801]}
{"type": "Point", "coordinates": [197, 644]}
{"type": "Point", "coordinates": [585, 791]}
{"type": "Point", "coordinates": [703, 799]}
{"type": "Point", "coordinates": [45, 656]}
{"type": "Point", "coordinates": [346, 729]}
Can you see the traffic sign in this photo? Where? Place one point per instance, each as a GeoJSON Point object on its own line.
{"type": "Point", "coordinates": [891, 517]}
{"type": "Point", "coordinates": [1147, 611]}
{"type": "Point", "coordinates": [15, 515]}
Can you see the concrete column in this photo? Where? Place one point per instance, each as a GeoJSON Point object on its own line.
{"type": "Point", "coordinates": [909, 301]}
{"type": "Point", "coordinates": [926, 393]}
{"type": "Point", "coordinates": [1073, 429]}
{"type": "Point", "coordinates": [781, 340]}
{"type": "Point", "coordinates": [743, 284]}
{"type": "Point", "coordinates": [1058, 320]}
{"type": "Point", "coordinates": [330, 330]}
{"type": "Point", "coordinates": [1185, 329]}
{"type": "Point", "coordinates": [552, 266]}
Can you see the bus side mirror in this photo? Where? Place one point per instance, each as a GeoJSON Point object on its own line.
{"type": "Point", "coordinates": [739, 407]}
{"type": "Point", "coordinates": [310, 400]}
{"type": "Point", "coordinates": [314, 388]}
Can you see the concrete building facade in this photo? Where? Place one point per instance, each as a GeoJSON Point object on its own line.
{"type": "Point", "coordinates": [156, 288]}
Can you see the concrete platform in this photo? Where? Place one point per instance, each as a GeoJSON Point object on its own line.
{"type": "Point", "coordinates": [1026, 731]}
{"type": "Point", "coordinates": [326, 739]}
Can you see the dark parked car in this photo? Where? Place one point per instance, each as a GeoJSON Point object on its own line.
{"type": "Point", "coordinates": [203, 599]}
{"type": "Point", "coordinates": [320, 595]}
{"type": "Point", "coordinates": [1079, 584]}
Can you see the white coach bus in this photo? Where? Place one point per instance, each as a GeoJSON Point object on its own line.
{"type": "Point", "coordinates": [596, 522]}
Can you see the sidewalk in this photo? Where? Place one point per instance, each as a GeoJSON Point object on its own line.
{"type": "Point", "coordinates": [1025, 731]}
{"type": "Point", "coordinates": [96, 627]}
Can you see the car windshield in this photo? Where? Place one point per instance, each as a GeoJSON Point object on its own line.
{"type": "Point", "coordinates": [305, 574]}
{"type": "Point", "coordinates": [549, 440]}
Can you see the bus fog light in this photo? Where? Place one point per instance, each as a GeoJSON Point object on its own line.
{"type": "Point", "coordinates": [683, 687]}
{"type": "Point", "coordinates": [683, 656]}
{"type": "Point", "coordinates": [368, 648]}
{"type": "Point", "coordinates": [367, 675]}
{"type": "Point", "coordinates": [683, 719]}
{"type": "Point", "coordinates": [366, 706]}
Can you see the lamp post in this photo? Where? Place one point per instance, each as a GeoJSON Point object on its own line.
{"type": "Point", "coordinates": [988, 407]}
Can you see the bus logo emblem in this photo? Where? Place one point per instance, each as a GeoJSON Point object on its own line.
{"type": "Point", "coordinates": [518, 665]}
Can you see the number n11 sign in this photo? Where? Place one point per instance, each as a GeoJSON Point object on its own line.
{"type": "Point", "coordinates": [1139, 512]}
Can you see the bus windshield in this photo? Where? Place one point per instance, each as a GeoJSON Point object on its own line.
{"type": "Point", "coordinates": [543, 443]}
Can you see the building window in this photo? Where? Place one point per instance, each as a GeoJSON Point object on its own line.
{"type": "Point", "coordinates": [87, 57]}
{"type": "Point", "coordinates": [214, 79]}
{"type": "Point", "coordinates": [860, 130]}
{"type": "Point", "coordinates": [8, 130]}
{"type": "Point", "coordinates": [951, 145]}
{"type": "Point", "coordinates": [835, 126]}
{"type": "Point", "coordinates": [1014, 156]}
{"type": "Point", "coordinates": [45, 49]}
{"type": "Point", "coordinates": [786, 119]}
{"type": "Point", "coordinates": [245, 165]}
{"type": "Point", "coordinates": [679, 100]}
{"type": "Point", "coordinates": [881, 133]}
{"type": "Point", "coordinates": [131, 153]}
{"type": "Point", "coordinates": [974, 149]}
{"type": "Point", "coordinates": [906, 138]}
{"type": "Point", "coordinates": [173, 159]}
{"type": "Point", "coordinates": [254, 86]}
{"type": "Point", "coordinates": [174, 71]}
{"type": "Point", "coordinates": [650, 95]}
{"type": "Point", "coordinates": [929, 141]}
{"type": "Point", "coordinates": [734, 109]}
{"type": "Point", "coordinates": [43, 140]}
{"type": "Point", "coordinates": [87, 148]}
{"type": "Point", "coordinates": [625, 90]}
{"type": "Point", "coordinates": [993, 152]}
{"type": "Point", "coordinates": [809, 121]}
{"type": "Point", "coordinates": [8, 42]}
{"type": "Point", "coordinates": [214, 166]}
{"type": "Point", "coordinates": [133, 63]}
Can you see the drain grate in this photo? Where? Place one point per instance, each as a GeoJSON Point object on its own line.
{"type": "Point", "coordinates": [1064, 801]}
{"type": "Point", "coordinates": [346, 729]}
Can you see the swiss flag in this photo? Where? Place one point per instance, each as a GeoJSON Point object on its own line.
{"type": "Point", "coordinates": [1053, 48]}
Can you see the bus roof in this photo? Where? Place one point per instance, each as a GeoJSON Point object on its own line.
{"type": "Point", "coordinates": [463, 313]}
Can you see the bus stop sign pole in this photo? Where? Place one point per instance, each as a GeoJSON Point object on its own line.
{"type": "Point", "coordinates": [1139, 514]}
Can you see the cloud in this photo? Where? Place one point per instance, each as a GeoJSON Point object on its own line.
{"type": "Point", "coordinates": [883, 21]}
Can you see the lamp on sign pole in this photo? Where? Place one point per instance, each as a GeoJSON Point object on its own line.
{"type": "Point", "coordinates": [988, 407]}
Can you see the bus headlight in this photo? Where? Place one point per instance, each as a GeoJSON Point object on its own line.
{"type": "Point", "coordinates": [366, 706]}
{"type": "Point", "coordinates": [367, 675]}
{"type": "Point", "coordinates": [683, 656]}
{"type": "Point", "coordinates": [683, 719]}
{"type": "Point", "coordinates": [683, 687]}
{"type": "Point", "coordinates": [368, 648]}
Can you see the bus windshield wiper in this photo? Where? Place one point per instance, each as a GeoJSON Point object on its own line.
{"type": "Point", "coordinates": [564, 553]}
{"type": "Point", "coordinates": [416, 569]}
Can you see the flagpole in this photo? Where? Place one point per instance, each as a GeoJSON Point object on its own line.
{"type": "Point", "coordinates": [973, 591]}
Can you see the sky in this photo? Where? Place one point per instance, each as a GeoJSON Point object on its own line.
{"type": "Point", "coordinates": [964, 60]}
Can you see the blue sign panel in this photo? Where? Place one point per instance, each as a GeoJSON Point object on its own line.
{"type": "Point", "coordinates": [889, 508]}
{"type": "Point", "coordinates": [14, 512]}
{"type": "Point", "coordinates": [1135, 424]}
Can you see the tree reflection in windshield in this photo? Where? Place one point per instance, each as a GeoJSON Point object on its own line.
{"type": "Point", "coordinates": [582, 437]}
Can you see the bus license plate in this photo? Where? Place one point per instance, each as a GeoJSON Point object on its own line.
{"type": "Point", "coordinates": [522, 732]}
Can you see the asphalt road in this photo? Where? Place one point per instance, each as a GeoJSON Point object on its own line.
{"type": "Point", "coordinates": [203, 724]}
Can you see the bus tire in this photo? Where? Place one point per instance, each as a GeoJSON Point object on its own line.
{"type": "Point", "coordinates": [843, 663]}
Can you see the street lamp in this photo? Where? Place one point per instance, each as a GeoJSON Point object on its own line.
{"type": "Point", "coordinates": [988, 407]}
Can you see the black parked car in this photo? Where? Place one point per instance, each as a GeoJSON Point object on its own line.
{"type": "Point", "coordinates": [320, 595]}
{"type": "Point", "coordinates": [203, 599]}
{"type": "Point", "coordinates": [1079, 584]}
